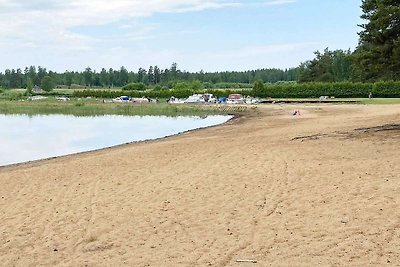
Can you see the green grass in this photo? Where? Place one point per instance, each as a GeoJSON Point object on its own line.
{"type": "Point", "coordinates": [66, 91]}
{"type": "Point", "coordinates": [14, 94]}
{"type": "Point", "coordinates": [14, 102]}
{"type": "Point", "coordinates": [58, 91]}
{"type": "Point", "coordinates": [93, 107]}
{"type": "Point", "coordinates": [363, 101]}
{"type": "Point", "coordinates": [380, 101]}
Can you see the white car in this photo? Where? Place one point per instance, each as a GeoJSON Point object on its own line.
{"type": "Point", "coordinates": [37, 97]}
{"type": "Point", "coordinates": [121, 99]}
{"type": "Point", "coordinates": [251, 100]}
{"type": "Point", "coordinates": [209, 98]}
{"type": "Point", "coordinates": [62, 98]}
{"type": "Point", "coordinates": [140, 100]}
{"type": "Point", "coordinates": [196, 98]}
{"type": "Point", "coordinates": [174, 100]}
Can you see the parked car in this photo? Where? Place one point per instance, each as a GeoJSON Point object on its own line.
{"type": "Point", "coordinates": [196, 98]}
{"type": "Point", "coordinates": [222, 99]}
{"type": "Point", "coordinates": [235, 99]}
{"type": "Point", "coordinates": [121, 99]}
{"type": "Point", "coordinates": [37, 97]}
{"type": "Point", "coordinates": [140, 100]}
{"type": "Point", "coordinates": [209, 98]}
{"type": "Point", "coordinates": [251, 100]}
{"type": "Point", "coordinates": [62, 98]}
{"type": "Point", "coordinates": [174, 100]}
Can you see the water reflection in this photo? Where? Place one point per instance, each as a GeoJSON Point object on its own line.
{"type": "Point", "coordinates": [24, 138]}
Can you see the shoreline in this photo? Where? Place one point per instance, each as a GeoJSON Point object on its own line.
{"type": "Point", "coordinates": [38, 161]}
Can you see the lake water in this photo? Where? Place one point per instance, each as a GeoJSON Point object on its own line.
{"type": "Point", "coordinates": [25, 138]}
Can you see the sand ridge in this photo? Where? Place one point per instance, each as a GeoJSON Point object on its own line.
{"type": "Point", "coordinates": [282, 190]}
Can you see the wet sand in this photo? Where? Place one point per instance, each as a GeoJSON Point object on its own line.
{"type": "Point", "coordinates": [322, 188]}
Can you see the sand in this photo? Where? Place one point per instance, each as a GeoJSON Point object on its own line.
{"type": "Point", "coordinates": [281, 190]}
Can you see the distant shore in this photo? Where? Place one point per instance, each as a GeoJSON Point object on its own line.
{"type": "Point", "coordinates": [92, 107]}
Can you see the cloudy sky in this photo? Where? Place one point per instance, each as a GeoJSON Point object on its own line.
{"type": "Point", "coordinates": [210, 35]}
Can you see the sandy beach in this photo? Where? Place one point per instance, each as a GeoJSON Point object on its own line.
{"type": "Point", "coordinates": [322, 188]}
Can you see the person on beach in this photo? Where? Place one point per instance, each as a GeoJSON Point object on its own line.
{"type": "Point", "coordinates": [296, 112]}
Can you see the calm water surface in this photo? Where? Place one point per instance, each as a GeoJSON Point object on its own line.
{"type": "Point", "coordinates": [25, 138]}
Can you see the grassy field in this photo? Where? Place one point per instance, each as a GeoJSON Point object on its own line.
{"type": "Point", "coordinates": [14, 102]}
{"type": "Point", "coordinates": [65, 91]}
{"type": "Point", "coordinates": [91, 107]}
{"type": "Point", "coordinates": [380, 101]}
{"type": "Point", "coordinates": [363, 101]}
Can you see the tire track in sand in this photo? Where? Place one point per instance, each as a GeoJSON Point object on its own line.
{"type": "Point", "coordinates": [275, 185]}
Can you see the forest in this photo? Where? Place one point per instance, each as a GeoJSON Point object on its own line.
{"type": "Point", "coordinates": [376, 58]}
{"type": "Point", "coordinates": [154, 76]}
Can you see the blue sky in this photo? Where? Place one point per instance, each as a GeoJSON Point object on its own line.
{"type": "Point", "coordinates": [210, 35]}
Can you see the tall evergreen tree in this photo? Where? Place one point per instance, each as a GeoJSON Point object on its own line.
{"type": "Point", "coordinates": [68, 78]}
{"type": "Point", "coordinates": [329, 66]}
{"type": "Point", "coordinates": [33, 75]}
{"type": "Point", "coordinates": [123, 76]}
{"type": "Point", "coordinates": [157, 75]}
{"type": "Point", "coordinates": [41, 72]}
{"type": "Point", "coordinates": [378, 54]}
{"type": "Point", "coordinates": [87, 76]}
{"type": "Point", "coordinates": [150, 75]}
{"type": "Point", "coordinates": [111, 77]}
{"type": "Point", "coordinates": [174, 72]}
{"type": "Point", "coordinates": [142, 73]}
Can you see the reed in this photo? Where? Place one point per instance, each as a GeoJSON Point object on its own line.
{"type": "Point", "coordinates": [92, 107]}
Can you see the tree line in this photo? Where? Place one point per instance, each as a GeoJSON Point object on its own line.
{"type": "Point", "coordinates": [153, 76]}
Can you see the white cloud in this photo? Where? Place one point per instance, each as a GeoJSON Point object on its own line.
{"type": "Point", "coordinates": [69, 13]}
{"type": "Point", "coordinates": [259, 51]}
{"type": "Point", "coordinates": [253, 57]}
{"type": "Point", "coordinates": [49, 33]}
{"type": "Point", "coordinates": [278, 2]}
{"type": "Point", "coordinates": [48, 23]}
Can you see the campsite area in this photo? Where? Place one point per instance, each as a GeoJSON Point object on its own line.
{"type": "Point", "coordinates": [320, 188]}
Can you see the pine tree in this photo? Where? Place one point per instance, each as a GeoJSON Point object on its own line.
{"type": "Point", "coordinates": [378, 53]}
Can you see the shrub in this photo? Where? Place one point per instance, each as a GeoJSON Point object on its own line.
{"type": "Point", "coordinates": [283, 90]}
{"type": "Point", "coordinates": [258, 87]}
{"type": "Point", "coordinates": [47, 83]}
{"type": "Point", "coordinates": [181, 86]}
{"type": "Point", "coordinates": [340, 89]}
{"type": "Point", "coordinates": [196, 85]}
{"type": "Point", "coordinates": [208, 85]}
{"type": "Point", "coordinates": [158, 88]}
{"type": "Point", "coordinates": [386, 89]}
{"type": "Point", "coordinates": [134, 87]}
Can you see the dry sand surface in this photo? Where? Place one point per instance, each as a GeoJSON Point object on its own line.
{"type": "Point", "coordinates": [282, 190]}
